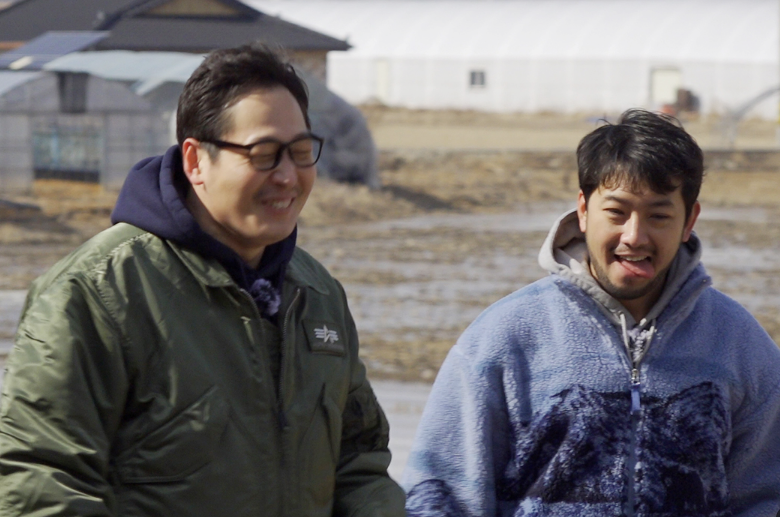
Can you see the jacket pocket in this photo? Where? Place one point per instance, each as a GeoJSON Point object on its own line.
{"type": "Point", "coordinates": [179, 447]}
{"type": "Point", "coordinates": [320, 450]}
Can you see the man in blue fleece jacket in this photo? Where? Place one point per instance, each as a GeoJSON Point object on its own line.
{"type": "Point", "coordinates": [621, 384]}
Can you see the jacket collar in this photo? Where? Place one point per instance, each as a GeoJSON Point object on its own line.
{"type": "Point", "coordinates": [300, 271]}
{"type": "Point", "coordinates": [210, 272]}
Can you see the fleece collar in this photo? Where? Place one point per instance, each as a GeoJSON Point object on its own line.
{"type": "Point", "coordinates": [565, 253]}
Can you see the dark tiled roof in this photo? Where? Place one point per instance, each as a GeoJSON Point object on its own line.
{"type": "Point", "coordinates": [27, 19]}
{"type": "Point", "coordinates": [197, 35]}
{"type": "Point", "coordinates": [131, 29]}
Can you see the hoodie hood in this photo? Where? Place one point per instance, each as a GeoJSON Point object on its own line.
{"type": "Point", "coordinates": [565, 253]}
{"type": "Point", "coordinates": [152, 198]}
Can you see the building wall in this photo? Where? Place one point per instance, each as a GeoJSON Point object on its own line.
{"type": "Point", "coordinates": [15, 153]}
{"type": "Point", "coordinates": [130, 137]}
{"type": "Point", "coordinates": [34, 96]}
{"type": "Point", "coordinates": [192, 7]}
{"type": "Point", "coordinates": [564, 86]}
{"type": "Point", "coordinates": [122, 129]}
{"type": "Point", "coordinates": [542, 54]}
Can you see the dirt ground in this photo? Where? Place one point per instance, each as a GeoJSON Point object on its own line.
{"type": "Point", "coordinates": [451, 230]}
{"type": "Point", "coordinates": [394, 128]}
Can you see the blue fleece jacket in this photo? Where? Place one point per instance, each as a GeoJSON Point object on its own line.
{"type": "Point", "coordinates": [535, 411]}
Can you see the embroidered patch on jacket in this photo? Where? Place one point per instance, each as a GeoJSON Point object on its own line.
{"type": "Point", "coordinates": [324, 337]}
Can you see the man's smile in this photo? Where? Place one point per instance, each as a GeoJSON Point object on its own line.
{"type": "Point", "coordinates": [636, 265]}
{"type": "Point", "coordinates": [278, 204]}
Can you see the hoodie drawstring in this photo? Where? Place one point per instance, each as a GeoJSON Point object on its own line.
{"type": "Point", "coordinates": [624, 328]}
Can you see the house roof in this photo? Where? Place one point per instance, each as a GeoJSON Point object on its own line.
{"type": "Point", "coordinates": [165, 25]}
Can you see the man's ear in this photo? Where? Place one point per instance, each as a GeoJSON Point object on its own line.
{"type": "Point", "coordinates": [582, 211]}
{"type": "Point", "coordinates": [190, 153]}
{"type": "Point", "coordinates": [695, 211]}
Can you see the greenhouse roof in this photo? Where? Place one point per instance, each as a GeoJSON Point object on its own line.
{"type": "Point", "coordinates": [10, 80]}
{"type": "Point", "coordinates": [146, 69]}
{"type": "Point", "coordinates": [679, 30]}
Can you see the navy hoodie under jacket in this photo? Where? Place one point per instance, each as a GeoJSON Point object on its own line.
{"type": "Point", "coordinates": [152, 198]}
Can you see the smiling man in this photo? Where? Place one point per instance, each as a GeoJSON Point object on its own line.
{"type": "Point", "coordinates": [191, 360]}
{"type": "Point", "coordinates": [621, 384]}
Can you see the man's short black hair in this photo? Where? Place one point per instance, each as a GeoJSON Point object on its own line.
{"type": "Point", "coordinates": [642, 149]}
{"type": "Point", "coordinates": [224, 78]}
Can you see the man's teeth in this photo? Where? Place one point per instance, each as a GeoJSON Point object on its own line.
{"type": "Point", "coordinates": [281, 204]}
{"type": "Point", "coordinates": [634, 259]}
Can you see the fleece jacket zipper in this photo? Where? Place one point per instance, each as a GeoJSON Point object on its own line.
{"type": "Point", "coordinates": [635, 412]}
{"type": "Point", "coordinates": [636, 407]}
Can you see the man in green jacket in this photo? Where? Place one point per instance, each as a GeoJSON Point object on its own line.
{"type": "Point", "coordinates": [191, 360]}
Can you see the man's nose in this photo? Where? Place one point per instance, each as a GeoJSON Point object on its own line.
{"type": "Point", "coordinates": [286, 172]}
{"type": "Point", "coordinates": [634, 232]}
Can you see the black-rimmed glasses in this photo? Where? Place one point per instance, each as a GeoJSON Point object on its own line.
{"type": "Point", "coordinates": [266, 154]}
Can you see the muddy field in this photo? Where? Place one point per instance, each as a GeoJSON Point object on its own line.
{"type": "Point", "coordinates": [449, 232]}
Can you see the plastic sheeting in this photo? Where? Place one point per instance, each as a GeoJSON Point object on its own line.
{"type": "Point", "coordinates": [10, 80]}
{"type": "Point", "coordinates": [537, 55]}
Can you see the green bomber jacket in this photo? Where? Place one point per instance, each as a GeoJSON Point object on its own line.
{"type": "Point", "coordinates": [140, 385]}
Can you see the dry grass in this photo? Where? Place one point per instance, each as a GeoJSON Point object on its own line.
{"type": "Point", "coordinates": [415, 183]}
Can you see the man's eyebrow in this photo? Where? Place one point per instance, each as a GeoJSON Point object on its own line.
{"type": "Point", "coordinates": [266, 139]}
{"type": "Point", "coordinates": [660, 203]}
{"type": "Point", "coordinates": [613, 197]}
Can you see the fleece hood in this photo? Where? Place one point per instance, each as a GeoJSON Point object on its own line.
{"type": "Point", "coordinates": [152, 198]}
{"type": "Point", "coordinates": [565, 253]}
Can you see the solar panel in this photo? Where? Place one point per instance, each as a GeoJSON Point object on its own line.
{"type": "Point", "coordinates": [47, 47]}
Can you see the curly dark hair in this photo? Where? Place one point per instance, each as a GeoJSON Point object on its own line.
{"type": "Point", "coordinates": [643, 149]}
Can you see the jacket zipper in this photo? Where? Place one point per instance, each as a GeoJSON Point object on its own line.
{"type": "Point", "coordinates": [285, 325]}
{"type": "Point", "coordinates": [636, 404]}
{"type": "Point", "coordinates": [636, 408]}
{"type": "Point", "coordinates": [282, 416]}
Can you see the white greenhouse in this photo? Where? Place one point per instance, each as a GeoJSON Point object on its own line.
{"type": "Point", "coordinates": [566, 56]}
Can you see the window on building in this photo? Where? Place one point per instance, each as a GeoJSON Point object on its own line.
{"type": "Point", "coordinates": [73, 91]}
{"type": "Point", "coordinates": [477, 79]}
{"type": "Point", "coordinates": [68, 147]}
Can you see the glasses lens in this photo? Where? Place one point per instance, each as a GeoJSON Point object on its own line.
{"type": "Point", "coordinates": [263, 155]}
{"type": "Point", "coordinates": [305, 152]}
